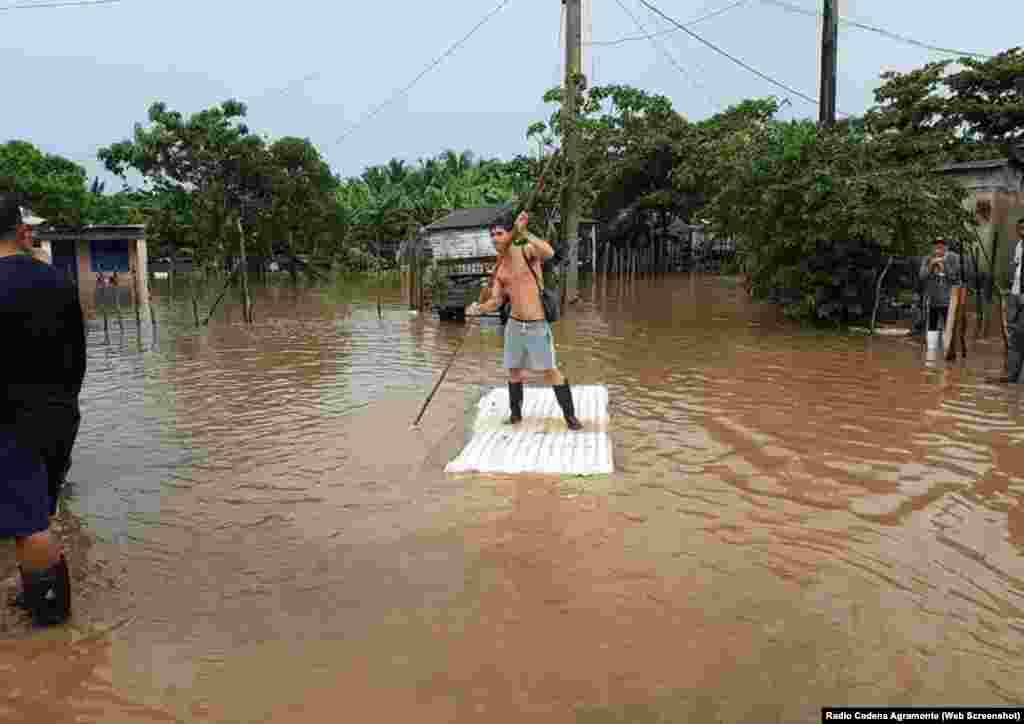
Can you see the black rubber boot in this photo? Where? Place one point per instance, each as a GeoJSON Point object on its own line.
{"type": "Point", "coordinates": [563, 393]}
{"type": "Point", "coordinates": [48, 594]}
{"type": "Point", "coordinates": [515, 400]}
{"type": "Point", "coordinates": [1014, 370]}
{"type": "Point", "coordinates": [1014, 366]}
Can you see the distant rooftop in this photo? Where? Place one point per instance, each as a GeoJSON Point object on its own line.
{"type": "Point", "coordinates": [975, 165]}
{"type": "Point", "coordinates": [473, 218]}
{"type": "Point", "coordinates": [1016, 158]}
{"type": "Point", "coordinates": [93, 231]}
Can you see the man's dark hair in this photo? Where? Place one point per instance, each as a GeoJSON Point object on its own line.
{"type": "Point", "coordinates": [10, 212]}
{"type": "Point", "coordinates": [507, 219]}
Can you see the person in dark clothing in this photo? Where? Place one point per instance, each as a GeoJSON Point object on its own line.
{"type": "Point", "coordinates": [1015, 314]}
{"type": "Point", "coordinates": [40, 380]}
{"type": "Point", "coordinates": [940, 273]}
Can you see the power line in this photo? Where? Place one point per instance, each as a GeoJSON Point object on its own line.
{"type": "Point", "coordinates": [664, 52]}
{"type": "Point", "coordinates": [695, 21]}
{"type": "Point", "coordinates": [285, 89]}
{"type": "Point", "coordinates": [70, 4]}
{"type": "Point", "coordinates": [881, 31]}
{"type": "Point", "coordinates": [733, 58]}
{"type": "Point", "coordinates": [437, 61]}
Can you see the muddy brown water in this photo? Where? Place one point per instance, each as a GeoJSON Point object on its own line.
{"type": "Point", "coordinates": [798, 520]}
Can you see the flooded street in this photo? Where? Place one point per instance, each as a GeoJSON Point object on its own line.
{"type": "Point", "coordinates": [798, 520]}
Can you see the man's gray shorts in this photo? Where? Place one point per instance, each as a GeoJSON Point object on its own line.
{"type": "Point", "coordinates": [528, 345]}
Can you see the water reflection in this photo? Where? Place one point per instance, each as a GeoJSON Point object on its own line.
{"type": "Point", "coordinates": [799, 519]}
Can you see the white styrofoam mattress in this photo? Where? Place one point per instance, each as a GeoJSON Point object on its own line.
{"type": "Point", "coordinates": [541, 443]}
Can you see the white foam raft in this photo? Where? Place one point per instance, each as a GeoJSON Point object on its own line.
{"type": "Point", "coordinates": [541, 443]}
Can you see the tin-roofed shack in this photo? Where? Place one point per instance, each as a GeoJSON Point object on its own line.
{"type": "Point", "coordinates": [101, 249]}
{"type": "Point", "coordinates": [996, 195]}
{"type": "Point", "coordinates": [445, 263]}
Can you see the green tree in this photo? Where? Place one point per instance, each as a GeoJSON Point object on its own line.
{"type": "Point", "coordinates": [53, 186]}
{"type": "Point", "coordinates": [815, 212]}
{"type": "Point", "coordinates": [936, 114]}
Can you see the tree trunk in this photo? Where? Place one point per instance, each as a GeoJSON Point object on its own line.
{"type": "Point", "coordinates": [878, 294]}
{"type": "Point", "coordinates": [291, 253]}
{"type": "Point", "coordinates": [992, 276]}
{"type": "Point", "coordinates": [246, 302]}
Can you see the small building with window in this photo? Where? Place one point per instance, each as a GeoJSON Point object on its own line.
{"type": "Point", "coordinates": [98, 252]}
{"type": "Point", "coordinates": [995, 192]}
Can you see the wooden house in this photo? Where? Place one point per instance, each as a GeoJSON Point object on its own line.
{"type": "Point", "coordinates": [446, 263]}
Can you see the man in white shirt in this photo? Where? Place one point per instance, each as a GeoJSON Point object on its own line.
{"type": "Point", "coordinates": [1015, 313]}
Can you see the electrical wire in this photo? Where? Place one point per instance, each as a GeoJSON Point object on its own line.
{"type": "Point", "coordinates": [881, 31]}
{"type": "Point", "coordinates": [733, 58]}
{"type": "Point", "coordinates": [695, 21]}
{"type": "Point", "coordinates": [70, 4]}
{"type": "Point", "coordinates": [436, 62]}
{"type": "Point", "coordinates": [665, 52]}
{"type": "Point", "coordinates": [285, 89]}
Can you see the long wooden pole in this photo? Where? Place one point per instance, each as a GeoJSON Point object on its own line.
{"type": "Point", "coordinates": [517, 239]}
{"type": "Point", "coordinates": [440, 379]}
{"type": "Point", "coordinates": [444, 373]}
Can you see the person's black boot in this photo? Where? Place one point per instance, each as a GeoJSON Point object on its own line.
{"type": "Point", "coordinates": [515, 401]}
{"type": "Point", "coordinates": [1014, 370]}
{"type": "Point", "coordinates": [563, 394]}
{"type": "Point", "coordinates": [48, 594]}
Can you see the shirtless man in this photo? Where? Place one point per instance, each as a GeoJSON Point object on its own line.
{"type": "Point", "coordinates": [528, 340]}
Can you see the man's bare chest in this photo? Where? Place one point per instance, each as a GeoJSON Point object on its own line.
{"type": "Point", "coordinates": [514, 271]}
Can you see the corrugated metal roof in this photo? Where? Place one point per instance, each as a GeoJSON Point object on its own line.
{"type": "Point", "coordinates": [129, 232]}
{"type": "Point", "coordinates": [541, 443]}
{"type": "Point", "coordinates": [974, 165]}
{"type": "Point", "coordinates": [477, 217]}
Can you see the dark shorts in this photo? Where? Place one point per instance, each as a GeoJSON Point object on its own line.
{"type": "Point", "coordinates": [25, 501]}
{"type": "Point", "coordinates": [937, 318]}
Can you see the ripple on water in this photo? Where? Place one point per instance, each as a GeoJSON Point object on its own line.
{"type": "Point", "coordinates": [781, 491]}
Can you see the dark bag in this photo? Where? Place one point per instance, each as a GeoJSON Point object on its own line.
{"type": "Point", "coordinates": [549, 298]}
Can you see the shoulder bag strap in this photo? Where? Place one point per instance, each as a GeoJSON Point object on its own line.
{"type": "Point", "coordinates": [529, 265]}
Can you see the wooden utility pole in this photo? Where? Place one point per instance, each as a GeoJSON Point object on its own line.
{"type": "Point", "coordinates": [574, 82]}
{"type": "Point", "coordinates": [829, 62]}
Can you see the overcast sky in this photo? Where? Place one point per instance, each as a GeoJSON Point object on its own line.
{"type": "Point", "coordinates": [78, 78]}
